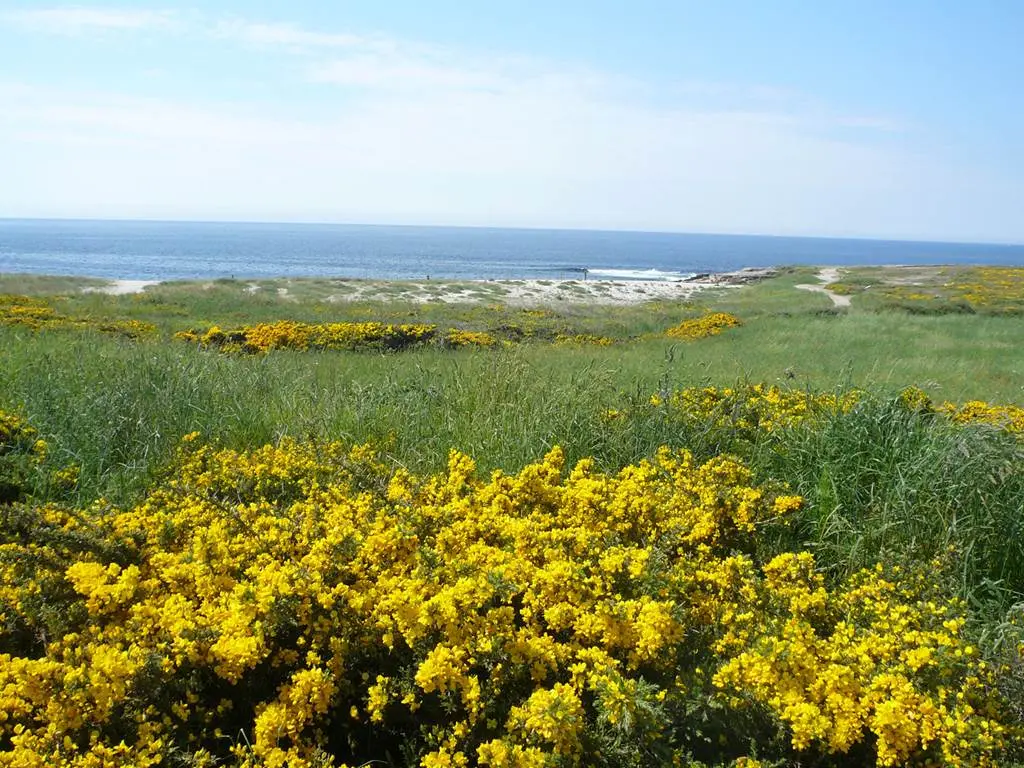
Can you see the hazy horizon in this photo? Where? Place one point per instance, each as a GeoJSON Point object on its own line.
{"type": "Point", "coordinates": [385, 224]}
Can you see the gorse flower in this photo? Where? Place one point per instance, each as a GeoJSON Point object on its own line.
{"type": "Point", "coordinates": [460, 338]}
{"type": "Point", "coordinates": [753, 407]}
{"type": "Point", "coordinates": [24, 461]}
{"type": "Point", "coordinates": [306, 605]}
{"type": "Point", "coordinates": [36, 314]}
{"type": "Point", "coordinates": [710, 324]}
{"type": "Point", "coordinates": [288, 334]}
{"type": "Point", "coordinates": [1007, 417]}
{"type": "Point", "coordinates": [988, 290]}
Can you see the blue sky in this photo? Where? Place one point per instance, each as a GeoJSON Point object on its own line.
{"type": "Point", "coordinates": [874, 119]}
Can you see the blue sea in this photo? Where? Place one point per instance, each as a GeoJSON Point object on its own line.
{"type": "Point", "coordinates": [151, 250]}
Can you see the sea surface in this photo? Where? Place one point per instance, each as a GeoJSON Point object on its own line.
{"type": "Point", "coordinates": [150, 250]}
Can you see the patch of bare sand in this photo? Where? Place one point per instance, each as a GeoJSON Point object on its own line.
{"type": "Point", "coordinates": [552, 292]}
{"type": "Point", "coordinates": [533, 292]}
{"type": "Point", "coordinates": [122, 287]}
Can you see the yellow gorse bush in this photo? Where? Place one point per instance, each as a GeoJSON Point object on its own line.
{"type": "Point", "coordinates": [305, 605]}
{"type": "Point", "coordinates": [998, 288]}
{"type": "Point", "coordinates": [35, 314]}
{"type": "Point", "coordinates": [18, 436]}
{"type": "Point", "coordinates": [993, 290]}
{"type": "Point", "coordinates": [22, 452]}
{"type": "Point", "coordinates": [289, 334]}
{"type": "Point", "coordinates": [1004, 416]}
{"type": "Point", "coordinates": [709, 325]}
{"type": "Point", "coordinates": [764, 408]}
{"type": "Point", "coordinates": [753, 406]}
{"type": "Point", "coordinates": [460, 338]}
{"type": "Point", "coordinates": [863, 675]}
{"type": "Point", "coordinates": [1008, 417]}
{"type": "Point", "coordinates": [583, 339]}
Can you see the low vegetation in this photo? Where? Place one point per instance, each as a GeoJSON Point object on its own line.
{"type": "Point", "coordinates": [733, 531]}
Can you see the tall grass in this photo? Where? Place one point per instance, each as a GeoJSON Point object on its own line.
{"type": "Point", "coordinates": [881, 482]}
{"type": "Point", "coordinates": [886, 484]}
{"type": "Point", "coordinates": [119, 409]}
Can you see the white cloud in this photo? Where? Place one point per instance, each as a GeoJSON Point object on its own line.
{"type": "Point", "coordinates": [407, 132]}
{"type": "Point", "coordinates": [77, 20]}
{"type": "Point", "coordinates": [514, 158]}
{"type": "Point", "coordinates": [290, 35]}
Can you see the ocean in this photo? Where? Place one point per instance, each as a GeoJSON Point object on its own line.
{"type": "Point", "coordinates": [151, 250]}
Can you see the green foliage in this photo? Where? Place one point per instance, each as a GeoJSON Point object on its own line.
{"type": "Point", "coordinates": [891, 480]}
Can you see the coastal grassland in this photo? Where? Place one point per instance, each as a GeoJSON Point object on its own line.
{"type": "Point", "coordinates": [887, 478]}
{"type": "Point", "coordinates": [953, 357]}
{"type": "Point", "coordinates": [48, 285]}
{"type": "Point", "coordinates": [937, 290]}
{"type": "Point", "coordinates": [121, 405]}
{"type": "Point", "coordinates": [118, 409]}
{"type": "Point", "coordinates": [175, 306]}
{"type": "Point", "coordinates": [776, 297]}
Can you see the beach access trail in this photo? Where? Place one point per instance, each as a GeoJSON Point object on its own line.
{"type": "Point", "coordinates": [827, 276]}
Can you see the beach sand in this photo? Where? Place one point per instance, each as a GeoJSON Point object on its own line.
{"type": "Point", "coordinates": [122, 287]}
{"type": "Point", "coordinates": [544, 292]}
{"type": "Point", "coordinates": [511, 292]}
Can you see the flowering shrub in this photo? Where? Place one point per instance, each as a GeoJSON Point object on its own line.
{"type": "Point", "coordinates": [763, 408]}
{"type": "Point", "coordinates": [866, 671]}
{"type": "Point", "coordinates": [305, 605]}
{"type": "Point", "coordinates": [21, 453]}
{"type": "Point", "coordinates": [35, 314]}
{"type": "Point", "coordinates": [460, 338]}
{"type": "Point", "coordinates": [753, 406]}
{"type": "Point", "coordinates": [845, 288]}
{"type": "Point", "coordinates": [583, 338]}
{"type": "Point", "coordinates": [1007, 417]}
{"type": "Point", "coordinates": [999, 289]}
{"type": "Point", "coordinates": [701, 327]}
{"type": "Point", "coordinates": [288, 334]}
{"type": "Point", "coordinates": [25, 464]}
{"type": "Point", "coordinates": [990, 290]}
{"type": "Point", "coordinates": [18, 436]}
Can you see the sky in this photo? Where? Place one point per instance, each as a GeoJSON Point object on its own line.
{"type": "Point", "coordinates": [877, 118]}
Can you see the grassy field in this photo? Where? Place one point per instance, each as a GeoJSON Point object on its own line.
{"type": "Point", "coordinates": [889, 478]}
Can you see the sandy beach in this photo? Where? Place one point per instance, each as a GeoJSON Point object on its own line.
{"type": "Point", "coordinates": [122, 287]}
{"type": "Point", "coordinates": [525, 292]}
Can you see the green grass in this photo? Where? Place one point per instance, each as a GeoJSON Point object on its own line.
{"type": "Point", "coordinates": [881, 483]}
{"type": "Point", "coordinates": [47, 285]}
{"type": "Point", "coordinates": [878, 485]}
{"type": "Point", "coordinates": [952, 357]}
{"type": "Point", "coordinates": [773, 298]}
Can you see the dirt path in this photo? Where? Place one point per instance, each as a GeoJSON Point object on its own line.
{"type": "Point", "coordinates": [826, 276]}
